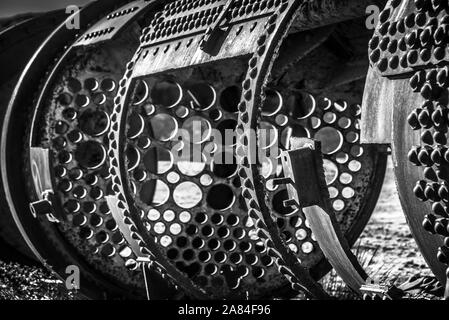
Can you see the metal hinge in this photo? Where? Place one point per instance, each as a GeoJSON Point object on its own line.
{"type": "Point", "coordinates": [376, 291]}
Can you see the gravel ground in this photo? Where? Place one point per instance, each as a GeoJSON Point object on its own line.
{"type": "Point", "coordinates": [388, 234]}
{"type": "Point", "coordinates": [386, 248]}
{"type": "Point", "coordinates": [18, 282]}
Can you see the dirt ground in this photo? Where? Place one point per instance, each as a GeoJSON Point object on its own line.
{"type": "Point", "coordinates": [386, 249]}
{"type": "Point", "coordinates": [388, 236]}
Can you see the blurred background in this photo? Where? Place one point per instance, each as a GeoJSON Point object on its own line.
{"type": "Point", "coordinates": [10, 8]}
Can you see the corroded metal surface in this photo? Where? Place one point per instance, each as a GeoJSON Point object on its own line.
{"type": "Point", "coordinates": [293, 263]}
{"type": "Point", "coordinates": [156, 100]}
{"type": "Point", "coordinates": [410, 44]}
{"type": "Point", "coordinates": [69, 102]}
{"type": "Point", "coordinates": [110, 113]}
{"type": "Point", "coordinates": [19, 41]}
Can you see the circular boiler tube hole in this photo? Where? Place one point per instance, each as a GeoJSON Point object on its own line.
{"type": "Point", "coordinates": [206, 180]}
{"type": "Point", "coordinates": [133, 156]}
{"type": "Point", "coordinates": [154, 192]}
{"type": "Point", "coordinates": [345, 178]}
{"type": "Point", "coordinates": [348, 192]}
{"type": "Point", "coordinates": [90, 154]}
{"type": "Point", "coordinates": [158, 160]}
{"type": "Point", "coordinates": [331, 140]}
{"type": "Point", "coordinates": [301, 105]}
{"type": "Point", "coordinates": [187, 195]}
{"type": "Point", "coordinates": [224, 165]}
{"type": "Point", "coordinates": [338, 205]}
{"type": "Point", "coordinates": [268, 135]}
{"type": "Point", "coordinates": [61, 127]}
{"type": "Point", "coordinates": [230, 98]}
{"type": "Point", "coordinates": [82, 100]}
{"type": "Point", "coordinates": [173, 177]}
{"type": "Point", "coordinates": [200, 95]}
{"type": "Point", "coordinates": [344, 122]}
{"type": "Point", "coordinates": [136, 125]}
{"type": "Point", "coordinates": [65, 99]}
{"type": "Point", "coordinates": [340, 105]}
{"type": "Point", "coordinates": [108, 250]}
{"type": "Point", "coordinates": [268, 167]}
{"type": "Point", "coordinates": [108, 85]}
{"type": "Point", "coordinates": [182, 112]}
{"type": "Point", "coordinates": [141, 92]}
{"type": "Point", "coordinates": [354, 166]}
{"type": "Point", "coordinates": [329, 117]}
{"type": "Point", "coordinates": [74, 85]}
{"type": "Point", "coordinates": [272, 104]}
{"type": "Point", "coordinates": [296, 131]}
{"type": "Point", "coordinates": [190, 168]}
{"type": "Point", "coordinates": [352, 137]}
{"type": "Point", "coordinates": [220, 197]}
{"type": "Point", "coordinates": [94, 122]}
{"type": "Point", "coordinates": [91, 84]}
{"type": "Point", "coordinates": [356, 151]}
{"type": "Point", "coordinates": [166, 93]}
{"type": "Point", "coordinates": [69, 113]}
{"type": "Point", "coordinates": [99, 98]}
{"type": "Point", "coordinates": [163, 127]}
{"type": "Point", "coordinates": [227, 132]}
{"type": "Point", "coordinates": [196, 130]}
{"type": "Point", "coordinates": [330, 171]}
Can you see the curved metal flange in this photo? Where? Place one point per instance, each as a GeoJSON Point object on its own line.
{"type": "Point", "coordinates": [409, 49]}
{"type": "Point", "coordinates": [139, 67]}
{"type": "Point", "coordinates": [307, 189]}
{"type": "Point", "coordinates": [44, 239]}
{"type": "Point", "coordinates": [18, 42]}
{"type": "Point", "coordinates": [407, 174]}
{"type": "Point", "coordinates": [71, 118]}
{"type": "Point", "coordinates": [179, 46]}
{"type": "Point", "coordinates": [290, 262]}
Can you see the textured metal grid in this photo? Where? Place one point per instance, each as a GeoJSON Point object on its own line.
{"type": "Point", "coordinates": [410, 35]}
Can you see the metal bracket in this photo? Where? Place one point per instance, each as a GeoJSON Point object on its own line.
{"type": "Point", "coordinates": [214, 32]}
{"type": "Point", "coordinates": [376, 291]}
{"type": "Point", "coordinates": [42, 179]}
{"type": "Point", "coordinates": [303, 165]}
{"type": "Point", "coordinates": [156, 286]}
{"type": "Point", "coordinates": [304, 174]}
{"type": "Point", "coordinates": [306, 185]}
{"type": "Point", "coordinates": [154, 282]}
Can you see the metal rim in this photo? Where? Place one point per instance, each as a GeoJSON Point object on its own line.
{"type": "Point", "coordinates": [257, 78]}
{"type": "Point", "coordinates": [53, 254]}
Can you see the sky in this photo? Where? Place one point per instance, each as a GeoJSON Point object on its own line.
{"type": "Point", "coordinates": [12, 7]}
